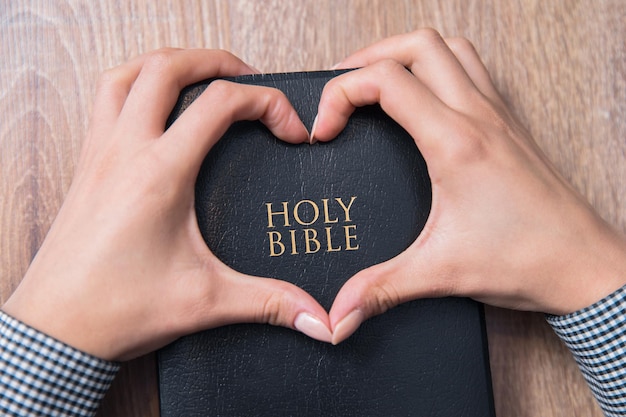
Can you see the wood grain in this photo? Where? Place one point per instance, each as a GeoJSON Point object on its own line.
{"type": "Point", "coordinates": [560, 65]}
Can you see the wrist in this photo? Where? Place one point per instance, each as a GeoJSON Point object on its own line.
{"type": "Point", "coordinates": [596, 271]}
{"type": "Point", "coordinates": [40, 303]}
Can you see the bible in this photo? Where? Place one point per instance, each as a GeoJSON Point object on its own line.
{"type": "Point", "coordinates": [315, 215]}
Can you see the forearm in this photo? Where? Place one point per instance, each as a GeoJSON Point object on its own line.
{"type": "Point", "coordinates": [42, 376]}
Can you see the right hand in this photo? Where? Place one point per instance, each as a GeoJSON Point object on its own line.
{"type": "Point", "coordinates": [505, 228]}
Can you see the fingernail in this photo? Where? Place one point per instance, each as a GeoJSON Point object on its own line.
{"type": "Point", "coordinates": [347, 326]}
{"type": "Point", "coordinates": [312, 138]}
{"type": "Point", "coordinates": [334, 67]}
{"type": "Point", "coordinates": [312, 327]}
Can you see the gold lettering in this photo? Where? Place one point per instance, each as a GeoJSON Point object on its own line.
{"type": "Point", "coordinates": [270, 214]}
{"type": "Point", "coordinates": [313, 239]}
{"type": "Point", "coordinates": [274, 242]}
{"type": "Point", "coordinates": [350, 237]}
{"type": "Point", "coordinates": [326, 215]}
{"type": "Point", "coordinates": [294, 250]}
{"type": "Point", "coordinates": [329, 243]}
{"type": "Point", "coordinates": [308, 239]}
{"type": "Point", "coordinates": [296, 216]}
{"type": "Point", "coordinates": [346, 209]}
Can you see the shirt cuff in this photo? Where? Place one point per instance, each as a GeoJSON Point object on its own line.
{"type": "Point", "coordinates": [596, 336]}
{"type": "Point", "coordinates": [42, 376]}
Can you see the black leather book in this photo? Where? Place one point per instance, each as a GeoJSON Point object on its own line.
{"type": "Point", "coordinates": [334, 208]}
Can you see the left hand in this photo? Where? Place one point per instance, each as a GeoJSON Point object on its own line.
{"type": "Point", "coordinates": [124, 269]}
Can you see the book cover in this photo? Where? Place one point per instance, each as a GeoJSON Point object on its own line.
{"type": "Point", "coordinates": [315, 215]}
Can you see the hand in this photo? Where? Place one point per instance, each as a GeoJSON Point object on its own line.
{"type": "Point", "coordinates": [123, 269]}
{"type": "Point", "coordinates": [505, 228]}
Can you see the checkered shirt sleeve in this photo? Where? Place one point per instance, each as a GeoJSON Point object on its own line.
{"type": "Point", "coordinates": [40, 376]}
{"type": "Point", "coordinates": [596, 336]}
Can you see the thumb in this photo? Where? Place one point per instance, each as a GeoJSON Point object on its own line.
{"type": "Point", "coordinates": [248, 299]}
{"type": "Point", "coordinates": [379, 288]}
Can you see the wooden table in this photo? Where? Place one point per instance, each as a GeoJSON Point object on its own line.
{"type": "Point", "coordinates": [561, 65]}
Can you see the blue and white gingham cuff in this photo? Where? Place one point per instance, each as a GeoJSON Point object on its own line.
{"type": "Point", "coordinates": [41, 376]}
{"type": "Point", "coordinates": [596, 336]}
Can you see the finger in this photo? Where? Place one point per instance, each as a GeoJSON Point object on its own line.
{"type": "Point", "coordinates": [474, 67]}
{"type": "Point", "coordinates": [162, 76]}
{"type": "Point", "coordinates": [382, 287]}
{"type": "Point", "coordinates": [247, 299]}
{"type": "Point", "coordinates": [193, 134]}
{"type": "Point", "coordinates": [113, 88]}
{"type": "Point", "coordinates": [111, 93]}
{"type": "Point", "coordinates": [430, 59]}
{"type": "Point", "coordinates": [403, 97]}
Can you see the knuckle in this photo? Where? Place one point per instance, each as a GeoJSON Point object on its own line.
{"type": "Point", "coordinates": [160, 61]}
{"type": "Point", "coordinates": [332, 91]}
{"type": "Point", "coordinates": [276, 106]}
{"type": "Point", "coordinates": [466, 144]}
{"type": "Point", "coordinates": [220, 90]}
{"type": "Point", "coordinates": [383, 299]}
{"type": "Point", "coordinates": [379, 292]}
{"type": "Point", "coordinates": [274, 305]}
{"type": "Point", "coordinates": [243, 101]}
{"type": "Point", "coordinates": [333, 84]}
{"type": "Point", "coordinates": [271, 310]}
{"type": "Point", "coordinates": [388, 67]}
{"type": "Point", "coordinates": [269, 96]}
{"type": "Point", "coordinates": [110, 78]}
{"type": "Point", "coordinates": [224, 97]}
{"type": "Point", "coordinates": [222, 55]}
{"type": "Point", "coordinates": [461, 44]}
{"type": "Point", "coordinates": [361, 87]}
{"type": "Point", "coordinates": [427, 38]}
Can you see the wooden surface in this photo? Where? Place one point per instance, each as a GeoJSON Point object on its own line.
{"type": "Point", "coordinates": [560, 64]}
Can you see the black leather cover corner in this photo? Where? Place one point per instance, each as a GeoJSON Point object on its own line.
{"type": "Point", "coordinates": [423, 358]}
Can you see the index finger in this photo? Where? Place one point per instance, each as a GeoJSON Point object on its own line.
{"type": "Point", "coordinates": [429, 58]}
{"type": "Point", "coordinates": [401, 95]}
{"type": "Point", "coordinates": [162, 76]}
{"type": "Point", "coordinates": [204, 122]}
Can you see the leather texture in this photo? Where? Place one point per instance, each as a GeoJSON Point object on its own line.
{"type": "Point", "coordinates": [423, 358]}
